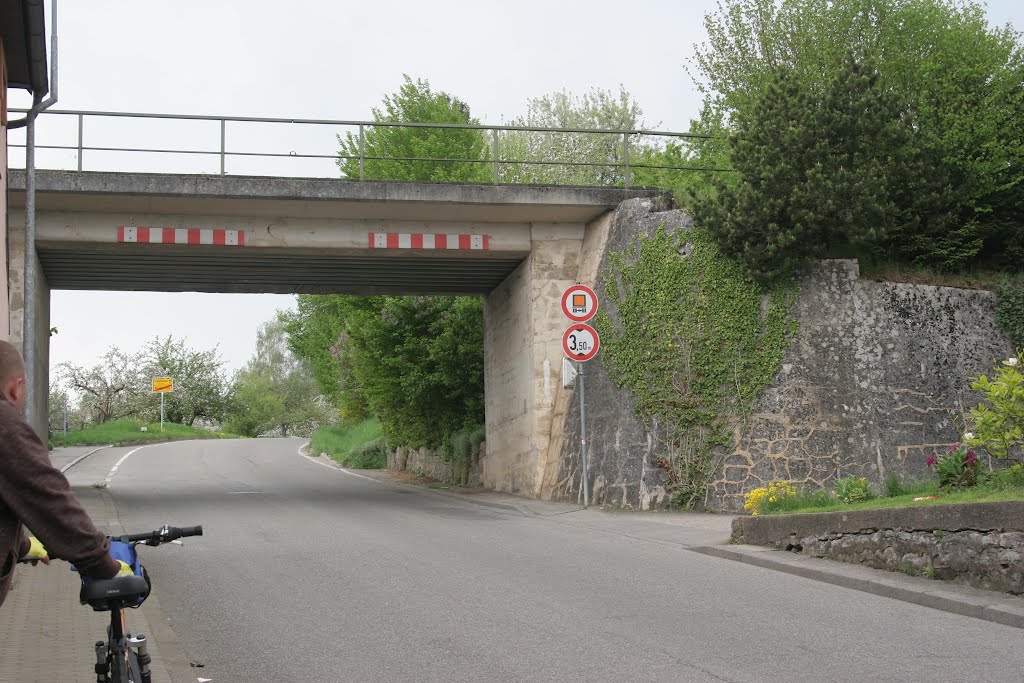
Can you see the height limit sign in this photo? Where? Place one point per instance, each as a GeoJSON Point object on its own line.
{"type": "Point", "coordinates": [580, 342]}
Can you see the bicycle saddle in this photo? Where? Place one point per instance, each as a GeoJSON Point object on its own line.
{"type": "Point", "coordinates": [124, 589]}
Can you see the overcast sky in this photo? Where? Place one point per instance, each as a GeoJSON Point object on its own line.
{"type": "Point", "coordinates": [331, 59]}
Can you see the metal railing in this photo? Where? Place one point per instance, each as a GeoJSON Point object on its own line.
{"type": "Point", "coordinates": [618, 162]}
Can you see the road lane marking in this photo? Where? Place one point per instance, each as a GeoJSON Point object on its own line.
{"type": "Point", "coordinates": [80, 458]}
{"type": "Point", "coordinates": [117, 465]}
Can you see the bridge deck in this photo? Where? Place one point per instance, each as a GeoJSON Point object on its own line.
{"type": "Point", "coordinates": [302, 235]}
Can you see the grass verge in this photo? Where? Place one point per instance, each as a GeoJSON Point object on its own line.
{"type": "Point", "coordinates": [360, 447]}
{"type": "Point", "coordinates": [930, 496]}
{"type": "Point", "coordinates": [127, 432]}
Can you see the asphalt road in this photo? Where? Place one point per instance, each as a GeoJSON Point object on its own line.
{"type": "Point", "coordinates": [312, 574]}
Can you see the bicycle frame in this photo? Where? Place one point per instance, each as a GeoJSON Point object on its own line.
{"type": "Point", "coordinates": [124, 658]}
{"type": "Point", "coordinates": [120, 641]}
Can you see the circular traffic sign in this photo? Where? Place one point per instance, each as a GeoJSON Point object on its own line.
{"type": "Point", "coordinates": [580, 342]}
{"type": "Point", "coordinates": [579, 303]}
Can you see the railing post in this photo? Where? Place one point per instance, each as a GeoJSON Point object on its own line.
{"type": "Point", "coordinates": [494, 155]}
{"type": "Point", "coordinates": [79, 142]}
{"type": "Point", "coordinates": [361, 174]}
{"type": "Point", "coordinates": [223, 126]}
{"type": "Point", "coordinates": [625, 157]}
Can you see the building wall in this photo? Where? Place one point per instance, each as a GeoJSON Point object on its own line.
{"type": "Point", "coordinates": [16, 272]}
{"type": "Point", "coordinates": [5, 314]}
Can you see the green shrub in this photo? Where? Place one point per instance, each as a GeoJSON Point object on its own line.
{"type": "Point", "coordinates": [460, 449]}
{"type": "Point", "coordinates": [1010, 308]}
{"type": "Point", "coordinates": [999, 421]}
{"type": "Point", "coordinates": [959, 468]}
{"type": "Point", "coordinates": [372, 455]}
{"type": "Point", "coordinates": [359, 447]}
{"type": "Point", "coordinates": [1010, 478]}
{"type": "Point", "coordinates": [851, 489]}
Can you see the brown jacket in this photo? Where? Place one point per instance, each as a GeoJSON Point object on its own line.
{"type": "Point", "coordinates": [33, 492]}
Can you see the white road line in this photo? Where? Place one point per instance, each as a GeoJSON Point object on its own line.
{"type": "Point", "coordinates": [332, 467]}
{"type": "Point", "coordinates": [80, 458]}
{"type": "Point", "coordinates": [113, 470]}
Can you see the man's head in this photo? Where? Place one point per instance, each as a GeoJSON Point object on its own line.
{"type": "Point", "coordinates": [12, 375]}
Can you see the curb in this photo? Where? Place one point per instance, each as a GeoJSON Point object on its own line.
{"type": "Point", "coordinates": [999, 608]}
{"type": "Point", "coordinates": [80, 458]}
{"type": "Point", "coordinates": [519, 508]}
{"type": "Point", "coordinates": [508, 507]}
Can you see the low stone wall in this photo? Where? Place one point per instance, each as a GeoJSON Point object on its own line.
{"type": "Point", "coordinates": [979, 544]}
{"type": "Point", "coordinates": [432, 463]}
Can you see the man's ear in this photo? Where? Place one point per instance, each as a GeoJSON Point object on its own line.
{"type": "Point", "coordinates": [20, 390]}
{"type": "Point", "coordinates": [15, 390]}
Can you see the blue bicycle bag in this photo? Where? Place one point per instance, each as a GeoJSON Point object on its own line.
{"type": "Point", "coordinates": [126, 553]}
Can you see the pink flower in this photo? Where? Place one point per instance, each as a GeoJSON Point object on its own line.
{"type": "Point", "coordinates": [930, 460]}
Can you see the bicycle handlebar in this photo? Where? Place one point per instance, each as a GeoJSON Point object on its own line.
{"type": "Point", "coordinates": [165, 534]}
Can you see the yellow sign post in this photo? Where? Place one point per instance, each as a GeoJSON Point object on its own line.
{"type": "Point", "coordinates": [162, 385]}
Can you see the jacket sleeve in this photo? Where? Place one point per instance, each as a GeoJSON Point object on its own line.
{"type": "Point", "coordinates": [41, 497]}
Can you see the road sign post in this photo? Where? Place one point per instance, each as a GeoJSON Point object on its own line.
{"type": "Point", "coordinates": [580, 343]}
{"type": "Point", "coordinates": [162, 385]}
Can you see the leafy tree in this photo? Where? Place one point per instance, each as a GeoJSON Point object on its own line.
{"type": "Point", "coordinates": [414, 362]}
{"type": "Point", "coordinates": [817, 168]}
{"type": "Point", "coordinates": [115, 387]}
{"type": "Point", "coordinates": [406, 153]}
{"type": "Point", "coordinates": [956, 79]}
{"type": "Point", "coordinates": [596, 110]}
{"type": "Point", "coordinates": [419, 363]}
{"type": "Point", "coordinates": [316, 334]}
{"type": "Point", "coordinates": [276, 391]}
{"type": "Point", "coordinates": [200, 387]}
{"type": "Point", "coordinates": [56, 405]}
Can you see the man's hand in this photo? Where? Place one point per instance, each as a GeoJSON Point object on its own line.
{"type": "Point", "coordinates": [36, 552]}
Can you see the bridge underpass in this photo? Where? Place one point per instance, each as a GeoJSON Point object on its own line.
{"type": "Point", "coordinates": [517, 246]}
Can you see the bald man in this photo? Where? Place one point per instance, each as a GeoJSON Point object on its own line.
{"type": "Point", "coordinates": [34, 493]}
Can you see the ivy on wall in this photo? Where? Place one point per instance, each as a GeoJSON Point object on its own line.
{"type": "Point", "coordinates": [696, 341]}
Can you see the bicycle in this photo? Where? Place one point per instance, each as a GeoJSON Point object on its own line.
{"type": "Point", "coordinates": [123, 658]}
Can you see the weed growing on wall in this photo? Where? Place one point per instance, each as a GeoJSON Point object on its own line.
{"type": "Point", "coordinates": [695, 341]}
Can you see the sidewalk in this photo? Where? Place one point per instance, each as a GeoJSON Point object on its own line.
{"type": "Point", "coordinates": [48, 636]}
{"type": "Point", "coordinates": [1000, 608]}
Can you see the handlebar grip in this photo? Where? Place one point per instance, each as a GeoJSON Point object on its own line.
{"type": "Point", "coordinates": [191, 530]}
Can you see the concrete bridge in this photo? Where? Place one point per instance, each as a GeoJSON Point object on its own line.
{"type": "Point", "coordinates": [517, 246]}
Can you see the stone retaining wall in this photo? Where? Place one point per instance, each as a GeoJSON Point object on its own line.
{"type": "Point", "coordinates": [432, 463]}
{"type": "Point", "coordinates": [979, 544]}
{"type": "Point", "coordinates": [877, 377]}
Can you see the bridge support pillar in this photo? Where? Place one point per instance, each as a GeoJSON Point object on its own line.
{"type": "Point", "coordinates": [523, 326]}
{"type": "Point", "coordinates": [16, 280]}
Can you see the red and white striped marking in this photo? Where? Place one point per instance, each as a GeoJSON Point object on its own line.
{"type": "Point", "coordinates": [417, 240]}
{"type": "Point", "coordinates": [215, 236]}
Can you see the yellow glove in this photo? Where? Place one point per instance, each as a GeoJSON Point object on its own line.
{"type": "Point", "coordinates": [36, 551]}
{"type": "Point", "coordinates": [125, 569]}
